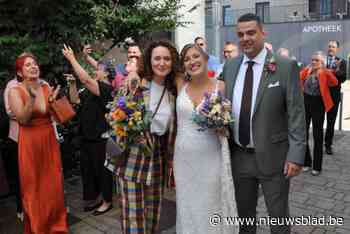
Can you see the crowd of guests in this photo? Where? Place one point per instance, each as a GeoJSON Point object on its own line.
{"type": "Point", "coordinates": [180, 155]}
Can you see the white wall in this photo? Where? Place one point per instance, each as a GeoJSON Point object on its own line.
{"type": "Point", "coordinates": [187, 34]}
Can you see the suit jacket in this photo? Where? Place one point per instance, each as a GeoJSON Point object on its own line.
{"type": "Point", "coordinates": [326, 80]}
{"type": "Point", "coordinates": [278, 121]}
{"type": "Point", "coordinates": [340, 74]}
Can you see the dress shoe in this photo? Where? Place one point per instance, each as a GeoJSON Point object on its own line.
{"type": "Point", "coordinates": [305, 169]}
{"type": "Point", "coordinates": [329, 150]}
{"type": "Point", "coordinates": [315, 173]}
{"type": "Point", "coordinates": [97, 213]}
{"type": "Point", "coordinates": [92, 207]}
{"type": "Point", "coordinates": [20, 216]}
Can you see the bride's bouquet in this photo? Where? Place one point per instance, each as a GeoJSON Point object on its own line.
{"type": "Point", "coordinates": [214, 112]}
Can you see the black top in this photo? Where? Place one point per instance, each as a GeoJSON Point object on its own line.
{"type": "Point", "coordinates": [312, 86]}
{"type": "Point", "coordinates": [93, 109]}
{"type": "Point", "coordinates": [340, 73]}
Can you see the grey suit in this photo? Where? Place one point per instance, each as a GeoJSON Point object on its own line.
{"type": "Point", "coordinates": [279, 134]}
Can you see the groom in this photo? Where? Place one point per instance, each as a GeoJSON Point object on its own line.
{"type": "Point", "coordinates": [268, 137]}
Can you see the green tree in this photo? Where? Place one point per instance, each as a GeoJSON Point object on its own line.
{"type": "Point", "coordinates": [42, 26]}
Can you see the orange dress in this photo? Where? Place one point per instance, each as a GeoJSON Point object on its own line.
{"type": "Point", "coordinates": [40, 174]}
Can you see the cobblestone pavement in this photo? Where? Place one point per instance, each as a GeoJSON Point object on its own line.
{"type": "Point", "coordinates": [323, 196]}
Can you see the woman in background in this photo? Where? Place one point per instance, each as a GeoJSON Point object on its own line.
{"type": "Point", "coordinates": [39, 157]}
{"type": "Point", "coordinates": [315, 81]}
{"type": "Point", "coordinates": [97, 180]}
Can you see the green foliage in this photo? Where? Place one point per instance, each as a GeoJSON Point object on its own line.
{"type": "Point", "coordinates": [42, 26]}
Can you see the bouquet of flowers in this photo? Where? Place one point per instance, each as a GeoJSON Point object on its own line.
{"type": "Point", "coordinates": [129, 120]}
{"type": "Point", "coordinates": [214, 112]}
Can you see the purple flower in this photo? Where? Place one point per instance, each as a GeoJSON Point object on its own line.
{"type": "Point", "coordinates": [122, 103]}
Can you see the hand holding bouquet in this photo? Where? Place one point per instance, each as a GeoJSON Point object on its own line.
{"type": "Point", "coordinates": [214, 112]}
{"type": "Point", "coordinates": [129, 119]}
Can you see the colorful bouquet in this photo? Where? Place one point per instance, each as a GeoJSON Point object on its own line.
{"type": "Point", "coordinates": [129, 120]}
{"type": "Point", "coordinates": [214, 112]}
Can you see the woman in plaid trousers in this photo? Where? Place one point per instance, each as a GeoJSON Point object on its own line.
{"type": "Point", "coordinates": [142, 177]}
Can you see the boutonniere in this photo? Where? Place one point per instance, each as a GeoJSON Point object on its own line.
{"type": "Point", "coordinates": [271, 66]}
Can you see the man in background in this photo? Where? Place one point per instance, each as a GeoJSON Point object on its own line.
{"type": "Point", "coordinates": [338, 66]}
{"type": "Point", "coordinates": [213, 62]}
{"type": "Point", "coordinates": [231, 50]}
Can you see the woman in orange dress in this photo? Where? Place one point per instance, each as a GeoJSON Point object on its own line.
{"type": "Point", "coordinates": [38, 151]}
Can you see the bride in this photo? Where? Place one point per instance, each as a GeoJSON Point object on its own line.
{"type": "Point", "coordinates": [203, 178]}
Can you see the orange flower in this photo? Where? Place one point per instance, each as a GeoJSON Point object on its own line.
{"type": "Point", "coordinates": [120, 131]}
{"type": "Point", "coordinates": [119, 115]}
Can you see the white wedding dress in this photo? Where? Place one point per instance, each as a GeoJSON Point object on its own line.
{"type": "Point", "coordinates": [204, 185]}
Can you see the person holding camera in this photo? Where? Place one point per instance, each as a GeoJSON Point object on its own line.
{"type": "Point", "coordinates": [97, 180]}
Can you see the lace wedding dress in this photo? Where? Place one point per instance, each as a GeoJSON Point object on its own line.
{"type": "Point", "coordinates": [204, 185]}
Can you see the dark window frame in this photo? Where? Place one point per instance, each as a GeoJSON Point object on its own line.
{"type": "Point", "coordinates": [224, 16]}
{"type": "Point", "coordinates": [263, 5]}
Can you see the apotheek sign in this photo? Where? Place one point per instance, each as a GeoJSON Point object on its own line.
{"type": "Point", "coordinates": [322, 28]}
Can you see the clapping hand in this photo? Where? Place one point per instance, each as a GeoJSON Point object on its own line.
{"type": "Point", "coordinates": [32, 89]}
{"type": "Point", "coordinates": [337, 62]}
{"type": "Point", "coordinates": [68, 52]}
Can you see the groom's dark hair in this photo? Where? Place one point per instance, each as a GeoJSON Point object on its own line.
{"type": "Point", "coordinates": [250, 17]}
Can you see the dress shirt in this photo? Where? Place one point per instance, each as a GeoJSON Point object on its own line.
{"type": "Point", "coordinates": [238, 91]}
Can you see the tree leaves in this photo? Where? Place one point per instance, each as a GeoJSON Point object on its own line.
{"type": "Point", "coordinates": [42, 26]}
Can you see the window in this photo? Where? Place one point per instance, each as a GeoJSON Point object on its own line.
{"type": "Point", "coordinates": [326, 8]}
{"type": "Point", "coordinates": [208, 17]}
{"type": "Point", "coordinates": [313, 6]}
{"type": "Point", "coordinates": [262, 9]}
{"type": "Point", "coordinates": [227, 15]}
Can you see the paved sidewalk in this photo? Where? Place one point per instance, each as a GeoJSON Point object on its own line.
{"type": "Point", "coordinates": [322, 196]}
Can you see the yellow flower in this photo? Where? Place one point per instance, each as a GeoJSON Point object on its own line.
{"type": "Point", "coordinates": [131, 105]}
{"type": "Point", "coordinates": [137, 115]}
{"type": "Point", "coordinates": [216, 109]}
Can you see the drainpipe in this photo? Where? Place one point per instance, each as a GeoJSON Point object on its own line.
{"type": "Point", "coordinates": [217, 18]}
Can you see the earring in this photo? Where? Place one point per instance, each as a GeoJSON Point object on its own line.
{"type": "Point", "coordinates": [187, 77]}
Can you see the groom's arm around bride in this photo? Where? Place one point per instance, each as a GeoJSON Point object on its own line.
{"type": "Point", "coordinates": [268, 139]}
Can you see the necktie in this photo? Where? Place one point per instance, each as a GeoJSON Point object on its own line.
{"type": "Point", "coordinates": [328, 61]}
{"type": "Point", "coordinates": [246, 104]}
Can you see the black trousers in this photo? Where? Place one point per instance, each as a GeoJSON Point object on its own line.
{"type": "Point", "coordinates": [96, 178]}
{"type": "Point", "coordinates": [331, 117]}
{"type": "Point", "coordinates": [12, 172]}
{"type": "Point", "coordinates": [315, 112]}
